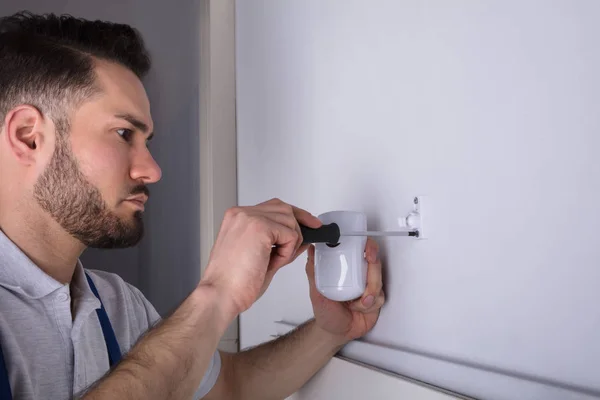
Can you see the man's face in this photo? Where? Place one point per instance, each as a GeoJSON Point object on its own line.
{"type": "Point", "coordinates": [95, 184]}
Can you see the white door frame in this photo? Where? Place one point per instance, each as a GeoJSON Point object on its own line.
{"type": "Point", "coordinates": [218, 152]}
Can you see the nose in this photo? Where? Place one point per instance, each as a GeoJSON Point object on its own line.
{"type": "Point", "coordinates": [145, 168]}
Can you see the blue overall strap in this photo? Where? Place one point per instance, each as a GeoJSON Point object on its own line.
{"type": "Point", "coordinates": [4, 383]}
{"type": "Point", "coordinates": [114, 352]}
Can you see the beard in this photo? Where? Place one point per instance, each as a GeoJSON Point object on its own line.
{"type": "Point", "coordinates": [78, 206]}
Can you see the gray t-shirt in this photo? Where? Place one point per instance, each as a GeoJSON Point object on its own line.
{"type": "Point", "coordinates": [54, 353]}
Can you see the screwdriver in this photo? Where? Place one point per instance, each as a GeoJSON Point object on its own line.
{"type": "Point", "coordinates": [330, 234]}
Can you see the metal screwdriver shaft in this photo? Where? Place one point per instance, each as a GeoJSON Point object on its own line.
{"type": "Point", "coordinates": [331, 234]}
{"type": "Point", "coordinates": [378, 233]}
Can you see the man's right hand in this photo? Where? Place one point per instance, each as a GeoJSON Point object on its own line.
{"type": "Point", "coordinates": [173, 356]}
{"type": "Point", "coordinates": [243, 260]}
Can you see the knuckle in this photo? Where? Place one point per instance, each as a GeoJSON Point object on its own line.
{"type": "Point", "coordinates": [295, 235]}
{"type": "Point", "coordinates": [231, 212]}
{"type": "Point", "coordinates": [236, 213]}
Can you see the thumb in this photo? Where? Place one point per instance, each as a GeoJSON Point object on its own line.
{"type": "Point", "coordinates": [310, 265]}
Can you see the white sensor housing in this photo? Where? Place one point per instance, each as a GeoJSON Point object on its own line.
{"type": "Point", "coordinates": [341, 270]}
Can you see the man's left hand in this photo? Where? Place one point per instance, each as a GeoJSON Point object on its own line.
{"type": "Point", "coordinates": [349, 320]}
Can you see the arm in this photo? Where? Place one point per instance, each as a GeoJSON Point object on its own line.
{"type": "Point", "coordinates": [277, 369]}
{"type": "Point", "coordinates": [169, 361]}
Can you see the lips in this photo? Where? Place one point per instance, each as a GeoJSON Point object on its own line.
{"type": "Point", "coordinates": [138, 201]}
{"type": "Point", "coordinates": [142, 199]}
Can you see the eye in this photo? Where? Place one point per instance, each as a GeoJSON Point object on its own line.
{"type": "Point", "coordinates": [125, 133]}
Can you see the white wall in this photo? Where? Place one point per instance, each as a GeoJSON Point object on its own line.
{"type": "Point", "coordinates": [166, 264]}
{"type": "Point", "coordinates": [489, 108]}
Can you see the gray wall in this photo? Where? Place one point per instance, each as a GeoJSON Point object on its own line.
{"type": "Point", "coordinates": [166, 264]}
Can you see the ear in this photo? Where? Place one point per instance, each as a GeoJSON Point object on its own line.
{"type": "Point", "coordinates": [25, 130]}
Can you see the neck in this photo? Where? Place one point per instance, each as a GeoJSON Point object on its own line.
{"type": "Point", "coordinates": [44, 241]}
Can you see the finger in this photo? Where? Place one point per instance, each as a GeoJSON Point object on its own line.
{"type": "Point", "coordinates": [279, 208]}
{"type": "Point", "coordinates": [287, 220]}
{"type": "Point", "coordinates": [272, 201]}
{"type": "Point", "coordinates": [301, 250]}
{"type": "Point", "coordinates": [366, 306]}
{"type": "Point", "coordinates": [277, 214]}
{"type": "Point", "coordinates": [374, 275]}
{"type": "Point", "coordinates": [285, 241]}
{"type": "Point", "coordinates": [306, 218]}
{"type": "Point", "coordinates": [371, 250]}
{"type": "Point", "coordinates": [275, 206]}
{"type": "Point", "coordinates": [310, 265]}
{"type": "Point", "coordinates": [300, 215]}
{"type": "Point", "coordinates": [280, 227]}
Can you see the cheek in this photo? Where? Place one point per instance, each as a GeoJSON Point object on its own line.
{"type": "Point", "coordinates": [106, 168]}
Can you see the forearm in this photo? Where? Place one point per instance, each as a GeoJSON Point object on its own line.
{"type": "Point", "coordinates": [170, 360]}
{"type": "Point", "coordinates": [277, 369]}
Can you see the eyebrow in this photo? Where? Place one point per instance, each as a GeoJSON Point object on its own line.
{"type": "Point", "coordinates": [137, 123]}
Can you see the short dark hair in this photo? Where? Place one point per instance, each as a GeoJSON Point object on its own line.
{"type": "Point", "coordinates": [47, 61]}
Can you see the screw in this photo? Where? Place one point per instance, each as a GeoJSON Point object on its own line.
{"type": "Point", "coordinates": [416, 200]}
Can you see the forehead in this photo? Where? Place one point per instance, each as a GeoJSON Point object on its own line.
{"type": "Point", "coordinates": [122, 92]}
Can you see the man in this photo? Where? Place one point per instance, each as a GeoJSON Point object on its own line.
{"type": "Point", "coordinates": [74, 170]}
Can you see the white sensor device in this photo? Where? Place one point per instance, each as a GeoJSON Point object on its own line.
{"type": "Point", "coordinates": [341, 269]}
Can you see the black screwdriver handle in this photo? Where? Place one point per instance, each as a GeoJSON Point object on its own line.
{"type": "Point", "coordinates": [329, 233]}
